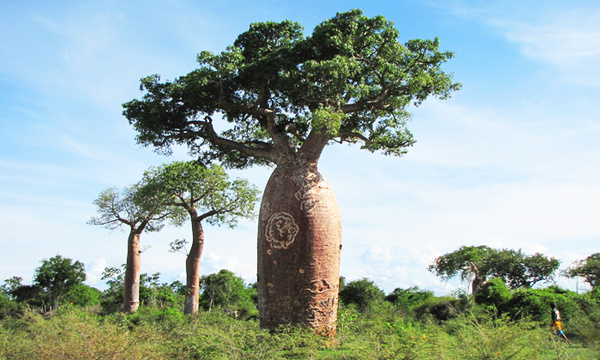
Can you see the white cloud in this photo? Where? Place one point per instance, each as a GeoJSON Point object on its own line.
{"type": "Point", "coordinates": [569, 41]}
{"type": "Point", "coordinates": [94, 273]}
{"type": "Point", "coordinates": [218, 262]}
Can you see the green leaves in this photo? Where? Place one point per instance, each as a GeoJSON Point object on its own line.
{"type": "Point", "coordinates": [264, 39]}
{"type": "Point", "coordinates": [134, 206]}
{"type": "Point", "coordinates": [223, 289]}
{"type": "Point", "coordinates": [589, 269]}
{"type": "Point", "coordinates": [351, 78]}
{"type": "Point", "coordinates": [58, 275]}
{"type": "Point", "coordinates": [325, 120]}
{"type": "Point", "coordinates": [204, 191]}
{"type": "Point", "coordinates": [515, 268]}
{"type": "Point", "coordinates": [361, 292]}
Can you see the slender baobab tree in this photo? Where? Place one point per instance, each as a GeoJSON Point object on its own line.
{"type": "Point", "coordinates": [205, 194]}
{"type": "Point", "coordinates": [138, 210]}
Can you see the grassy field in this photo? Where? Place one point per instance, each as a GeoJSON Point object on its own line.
{"type": "Point", "coordinates": [383, 332]}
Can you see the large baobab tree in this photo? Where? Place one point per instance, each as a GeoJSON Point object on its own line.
{"type": "Point", "coordinates": [135, 208]}
{"type": "Point", "coordinates": [282, 97]}
{"type": "Point", "coordinates": [205, 194]}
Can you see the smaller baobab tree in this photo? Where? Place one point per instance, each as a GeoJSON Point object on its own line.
{"type": "Point", "coordinates": [137, 209]}
{"type": "Point", "coordinates": [470, 262]}
{"type": "Point", "coordinates": [588, 269]}
{"type": "Point", "coordinates": [206, 194]}
{"type": "Point", "coordinates": [481, 263]}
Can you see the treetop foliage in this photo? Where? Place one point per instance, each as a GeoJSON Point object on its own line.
{"type": "Point", "coordinates": [58, 274]}
{"type": "Point", "coordinates": [351, 80]}
{"type": "Point", "coordinates": [132, 206]}
{"type": "Point", "coordinates": [206, 191]}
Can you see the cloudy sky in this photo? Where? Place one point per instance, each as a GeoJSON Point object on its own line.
{"type": "Point", "coordinates": [510, 161]}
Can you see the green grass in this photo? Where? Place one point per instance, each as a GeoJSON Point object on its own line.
{"type": "Point", "coordinates": [380, 333]}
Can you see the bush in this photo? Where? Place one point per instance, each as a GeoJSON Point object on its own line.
{"type": "Point", "coordinates": [535, 303]}
{"type": "Point", "coordinates": [83, 295]}
{"type": "Point", "coordinates": [440, 308]}
{"type": "Point", "coordinates": [32, 295]}
{"type": "Point", "coordinates": [361, 293]}
{"type": "Point", "coordinates": [7, 307]}
{"type": "Point", "coordinates": [494, 294]}
{"type": "Point", "coordinates": [152, 293]}
{"type": "Point", "coordinates": [168, 318]}
{"type": "Point", "coordinates": [490, 337]}
{"type": "Point", "coordinates": [409, 298]}
{"type": "Point", "coordinates": [227, 291]}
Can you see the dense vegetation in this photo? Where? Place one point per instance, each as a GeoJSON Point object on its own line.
{"type": "Point", "coordinates": [496, 323]}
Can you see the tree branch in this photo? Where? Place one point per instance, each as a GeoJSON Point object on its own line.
{"type": "Point", "coordinates": [349, 134]}
{"type": "Point", "coordinates": [211, 135]}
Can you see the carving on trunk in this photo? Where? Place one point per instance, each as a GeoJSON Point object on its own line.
{"type": "Point", "coordinates": [281, 230]}
{"type": "Point", "coordinates": [319, 286]}
{"type": "Point", "coordinates": [265, 209]}
{"type": "Point", "coordinates": [299, 285]}
{"type": "Point", "coordinates": [307, 180]}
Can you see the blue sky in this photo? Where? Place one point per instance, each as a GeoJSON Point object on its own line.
{"type": "Point", "coordinates": [510, 161]}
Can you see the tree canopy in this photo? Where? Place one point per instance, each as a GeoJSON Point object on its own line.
{"type": "Point", "coordinates": [223, 289]}
{"type": "Point", "coordinates": [133, 206]}
{"type": "Point", "coordinates": [588, 269]}
{"type": "Point", "coordinates": [207, 191]}
{"type": "Point", "coordinates": [58, 275]}
{"type": "Point", "coordinates": [479, 263]}
{"type": "Point", "coordinates": [282, 91]}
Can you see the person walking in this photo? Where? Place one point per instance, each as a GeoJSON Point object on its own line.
{"type": "Point", "coordinates": [556, 323]}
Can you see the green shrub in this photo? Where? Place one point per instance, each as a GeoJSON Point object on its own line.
{"type": "Point", "coordinates": [440, 308]}
{"type": "Point", "coordinates": [409, 298]}
{"type": "Point", "coordinates": [362, 293]}
{"type": "Point", "coordinates": [585, 326]}
{"type": "Point", "coordinates": [7, 307]}
{"type": "Point", "coordinates": [496, 338]}
{"type": "Point", "coordinates": [493, 294]}
{"type": "Point", "coordinates": [83, 295]}
{"type": "Point", "coordinates": [228, 292]}
{"type": "Point", "coordinates": [535, 303]}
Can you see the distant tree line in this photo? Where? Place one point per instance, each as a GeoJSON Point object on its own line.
{"type": "Point", "coordinates": [60, 281]}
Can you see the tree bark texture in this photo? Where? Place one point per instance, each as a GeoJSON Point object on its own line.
{"type": "Point", "coordinates": [192, 267]}
{"type": "Point", "coordinates": [299, 245]}
{"type": "Point", "coordinates": [131, 299]}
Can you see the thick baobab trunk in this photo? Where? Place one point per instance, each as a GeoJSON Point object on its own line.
{"type": "Point", "coordinates": [131, 299]}
{"type": "Point", "coordinates": [192, 268]}
{"type": "Point", "coordinates": [299, 243]}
